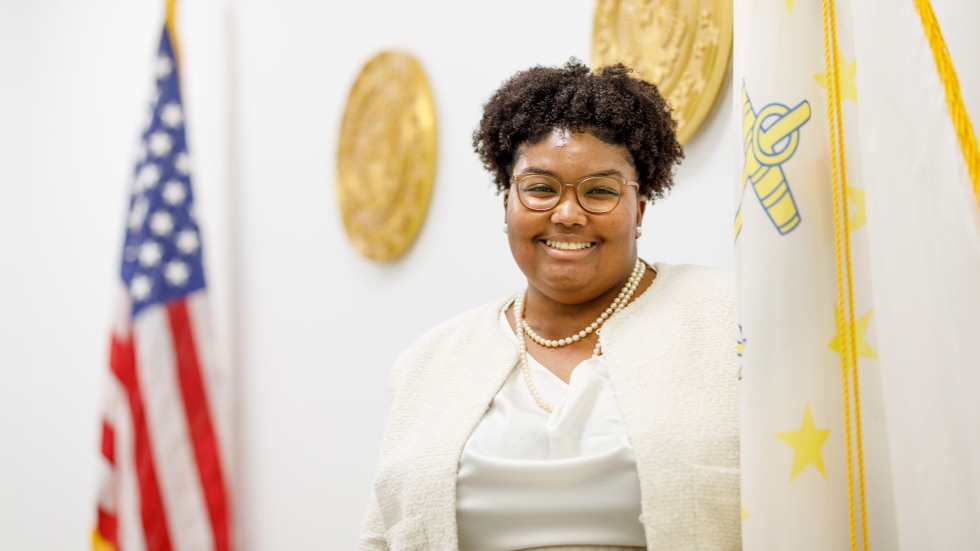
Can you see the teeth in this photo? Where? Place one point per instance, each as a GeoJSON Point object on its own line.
{"type": "Point", "coordinates": [560, 245]}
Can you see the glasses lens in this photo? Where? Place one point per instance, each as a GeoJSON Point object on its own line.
{"type": "Point", "coordinates": [538, 192]}
{"type": "Point", "coordinates": [599, 194]}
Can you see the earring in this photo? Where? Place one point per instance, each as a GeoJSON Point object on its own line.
{"type": "Point", "coordinates": [639, 231]}
{"type": "Point", "coordinates": [505, 227]}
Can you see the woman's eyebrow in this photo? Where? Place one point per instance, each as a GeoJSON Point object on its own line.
{"type": "Point", "coordinates": [609, 172]}
{"type": "Point", "coordinates": [553, 174]}
{"type": "Point", "coordinates": [536, 170]}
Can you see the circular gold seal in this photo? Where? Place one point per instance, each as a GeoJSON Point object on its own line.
{"type": "Point", "coordinates": [682, 46]}
{"type": "Point", "coordinates": [386, 157]}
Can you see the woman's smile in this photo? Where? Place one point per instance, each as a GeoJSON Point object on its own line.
{"type": "Point", "coordinates": [568, 245]}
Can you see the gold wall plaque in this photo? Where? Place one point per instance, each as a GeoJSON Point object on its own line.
{"type": "Point", "coordinates": [682, 46]}
{"type": "Point", "coordinates": [386, 157]}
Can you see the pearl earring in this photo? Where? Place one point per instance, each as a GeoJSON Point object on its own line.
{"type": "Point", "coordinates": [505, 227]}
{"type": "Point", "coordinates": [639, 231]}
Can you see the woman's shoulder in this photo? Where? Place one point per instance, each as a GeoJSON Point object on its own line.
{"type": "Point", "coordinates": [694, 281]}
{"type": "Point", "coordinates": [478, 323]}
{"type": "Point", "coordinates": [694, 274]}
{"type": "Point", "coordinates": [681, 296]}
{"type": "Point", "coordinates": [474, 332]}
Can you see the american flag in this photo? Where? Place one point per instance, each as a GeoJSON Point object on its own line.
{"type": "Point", "coordinates": [162, 481]}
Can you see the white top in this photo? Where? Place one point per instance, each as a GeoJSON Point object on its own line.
{"type": "Point", "coordinates": [530, 479]}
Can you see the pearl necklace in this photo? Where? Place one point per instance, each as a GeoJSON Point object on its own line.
{"type": "Point", "coordinates": [621, 301]}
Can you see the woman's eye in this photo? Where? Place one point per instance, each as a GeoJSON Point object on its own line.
{"type": "Point", "coordinates": [541, 188]}
{"type": "Point", "coordinates": [602, 191]}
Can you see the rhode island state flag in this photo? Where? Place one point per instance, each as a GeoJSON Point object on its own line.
{"type": "Point", "coordinates": [857, 234]}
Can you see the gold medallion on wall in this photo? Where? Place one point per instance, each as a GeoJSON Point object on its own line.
{"type": "Point", "coordinates": [682, 46]}
{"type": "Point", "coordinates": [386, 156]}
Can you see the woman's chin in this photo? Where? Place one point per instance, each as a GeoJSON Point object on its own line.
{"type": "Point", "coordinates": [567, 286]}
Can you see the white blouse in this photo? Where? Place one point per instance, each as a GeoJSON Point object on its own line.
{"type": "Point", "coordinates": [531, 479]}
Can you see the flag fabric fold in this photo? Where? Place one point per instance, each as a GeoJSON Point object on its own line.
{"type": "Point", "coordinates": [857, 235]}
{"type": "Point", "coordinates": [163, 485]}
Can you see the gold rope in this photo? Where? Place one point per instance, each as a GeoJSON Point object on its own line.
{"type": "Point", "coordinates": [842, 253]}
{"type": "Point", "coordinates": [852, 349]}
{"type": "Point", "coordinates": [951, 87]}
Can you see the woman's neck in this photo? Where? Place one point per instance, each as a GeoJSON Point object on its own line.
{"type": "Point", "coordinates": [555, 319]}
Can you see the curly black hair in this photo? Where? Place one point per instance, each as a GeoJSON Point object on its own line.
{"type": "Point", "coordinates": [610, 104]}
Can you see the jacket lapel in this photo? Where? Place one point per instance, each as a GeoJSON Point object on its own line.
{"type": "Point", "coordinates": [646, 376]}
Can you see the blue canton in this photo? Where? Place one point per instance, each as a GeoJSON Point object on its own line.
{"type": "Point", "coordinates": [162, 253]}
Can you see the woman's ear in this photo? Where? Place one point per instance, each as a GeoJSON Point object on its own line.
{"type": "Point", "coordinates": [505, 209]}
{"type": "Point", "coordinates": [641, 208]}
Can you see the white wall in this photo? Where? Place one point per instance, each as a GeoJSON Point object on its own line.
{"type": "Point", "coordinates": [308, 327]}
{"type": "Point", "coordinates": [69, 104]}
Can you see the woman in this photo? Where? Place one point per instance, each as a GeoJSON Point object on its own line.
{"type": "Point", "coordinates": [598, 408]}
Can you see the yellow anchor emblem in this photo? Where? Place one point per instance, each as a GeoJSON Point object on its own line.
{"type": "Point", "coordinates": [770, 137]}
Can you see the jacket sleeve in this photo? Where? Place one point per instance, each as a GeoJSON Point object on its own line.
{"type": "Point", "coordinates": [372, 536]}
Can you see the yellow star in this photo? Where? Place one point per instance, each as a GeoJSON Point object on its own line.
{"type": "Point", "coordinates": [745, 514]}
{"type": "Point", "coordinates": [807, 442]}
{"type": "Point", "coordinates": [847, 77]}
{"type": "Point", "coordinates": [864, 349]}
{"type": "Point", "coordinates": [855, 196]}
{"type": "Point", "coordinates": [789, 6]}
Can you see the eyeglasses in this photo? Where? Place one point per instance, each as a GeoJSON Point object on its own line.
{"type": "Point", "coordinates": [596, 194]}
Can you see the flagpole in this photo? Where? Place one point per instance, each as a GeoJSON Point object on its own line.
{"type": "Point", "coordinates": [171, 22]}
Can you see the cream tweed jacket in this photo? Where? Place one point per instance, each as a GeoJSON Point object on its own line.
{"type": "Point", "coordinates": [674, 372]}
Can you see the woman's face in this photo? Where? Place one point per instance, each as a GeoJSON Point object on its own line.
{"type": "Point", "coordinates": [576, 275]}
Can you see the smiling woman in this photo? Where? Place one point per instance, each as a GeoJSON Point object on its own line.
{"type": "Point", "coordinates": [598, 408]}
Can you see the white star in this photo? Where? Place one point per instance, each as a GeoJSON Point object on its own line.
{"type": "Point", "coordinates": [160, 143]}
{"type": "Point", "coordinates": [141, 153]}
{"type": "Point", "coordinates": [163, 67]}
{"type": "Point", "coordinates": [150, 254]}
{"type": "Point", "coordinates": [176, 273]}
{"type": "Point", "coordinates": [138, 213]}
{"type": "Point", "coordinates": [162, 223]}
{"type": "Point", "coordinates": [183, 164]}
{"type": "Point", "coordinates": [188, 242]}
{"type": "Point", "coordinates": [173, 192]}
{"type": "Point", "coordinates": [140, 287]}
{"type": "Point", "coordinates": [147, 177]}
{"type": "Point", "coordinates": [172, 115]}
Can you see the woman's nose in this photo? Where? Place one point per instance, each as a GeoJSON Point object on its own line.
{"type": "Point", "coordinates": [568, 211]}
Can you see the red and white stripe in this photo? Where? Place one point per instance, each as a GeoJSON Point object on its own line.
{"type": "Point", "coordinates": [164, 486]}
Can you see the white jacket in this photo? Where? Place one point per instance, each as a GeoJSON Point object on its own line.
{"type": "Point", "coordinates": [674, 372]}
